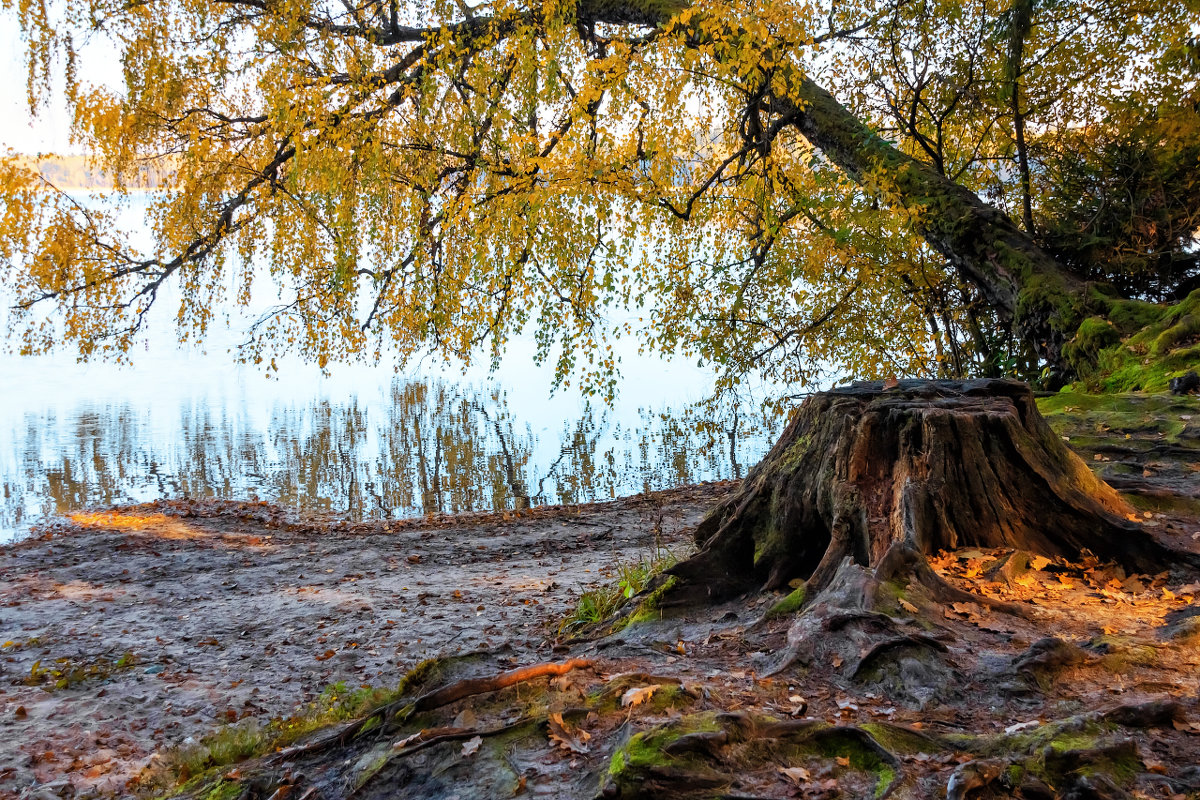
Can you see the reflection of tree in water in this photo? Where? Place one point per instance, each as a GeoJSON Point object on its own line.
{"type": "Point", "coordinates": [437, 447]}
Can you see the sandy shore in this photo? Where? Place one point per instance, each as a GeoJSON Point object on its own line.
{"type": "Point", "coordinates": [130, 631]}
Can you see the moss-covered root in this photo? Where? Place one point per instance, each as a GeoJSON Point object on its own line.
{"type": "Point", "coordinates": [703, 755]}
{"type": "Point", "coordinates": [1086, 754]}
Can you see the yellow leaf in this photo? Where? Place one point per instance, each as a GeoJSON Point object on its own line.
{"type": "Point", "coordinates": [638, 695]}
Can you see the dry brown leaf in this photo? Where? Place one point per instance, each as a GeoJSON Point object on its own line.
{"type": "Point", "coordinates": [573, 741]}
{"type": "Point", "coordinates": [837, 661]}
{"type": "Point", "coordinates": [843, 761]}
{"type": "Point", "coordinates": [406, 741]}
{"type": "Point", "coordinates": [797, 775]}
{"type": "Point", "coordinates": [1039, 562]}
{"type": "Point", "coordinates": [639, 694]}
{"type": "Point", "coordinates": [907, 606]}
{"type": "Point", "coordinates": [471, 746]}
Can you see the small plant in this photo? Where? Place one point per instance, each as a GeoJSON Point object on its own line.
{"type": "Point", "coordinates": [68, 672]}
{"type": "Point", "coordinates": [597, 605]}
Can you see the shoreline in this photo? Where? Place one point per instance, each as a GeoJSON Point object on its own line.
{"type": "Point", "coordinates": [130, 630]}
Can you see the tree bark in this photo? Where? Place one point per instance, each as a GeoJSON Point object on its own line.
{"type": "Point", "coordinates": [869, 473]}
{"type": "Point", "coordinates": [1044, 303]}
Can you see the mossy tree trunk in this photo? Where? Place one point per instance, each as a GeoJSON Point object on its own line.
{"type": "Point", "coordinates": [1023, 284]}
{"type": "Point", "coordinates": [887, 475]}
{"type": "Point", "coordinates": [1078, 329]}
{"type": "Point", "coordinates": [1045, 304]}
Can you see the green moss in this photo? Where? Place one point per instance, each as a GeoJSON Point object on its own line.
{"type": "Point", "coordinates": [671, 697]}
{"type": "Point", "coordinates": [1098, 419]}
{"type": "Point", "coordinates": [648, 608]}
{"type": "Point", "coordinates": [1160, 346]}
{"type": "Point", "coordinates": [790, 604]}
{"type": "Point", "coordinates": [902, 741]}
{"type": "Point", "coordinates": [1119, 653]}
{"type": "Point", "coordinates": [224, 790]}
{"type": "Point", "coordinates": [1118, 760]}
{"type": "Point", "coordinates": [833, 743]}
{"type": "Point", "coordinates": [417, 676]}
{"type": "Point", "coordinates": [644, 752]}
{"type": "Point", "coordinates": [1094, 334]}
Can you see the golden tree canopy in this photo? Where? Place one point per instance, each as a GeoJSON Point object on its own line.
{"type": "Point", "coordinates": [409, 176]}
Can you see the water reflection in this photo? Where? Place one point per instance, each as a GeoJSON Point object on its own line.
{"type": "Point", "coordinates": [435, 446]}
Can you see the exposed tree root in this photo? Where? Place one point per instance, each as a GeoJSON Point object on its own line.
{"type": "Point", "coordinates": [708, 759]}
{"type": "Point", "coordinates": [435, 736]}
{"type": "Point", "coordinates": [400, 711]}
{"type": "Point", "coordinates": [886, 476]}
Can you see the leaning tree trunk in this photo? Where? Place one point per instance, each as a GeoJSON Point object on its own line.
{"type": "Point", "coordinates": [874, 474]}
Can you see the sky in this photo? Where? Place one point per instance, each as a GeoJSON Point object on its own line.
{"type": "Point", "coordinates": [47, 132]}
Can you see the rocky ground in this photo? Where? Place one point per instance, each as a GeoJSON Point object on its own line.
{"type": "Point", "coordinates": [150, 645]}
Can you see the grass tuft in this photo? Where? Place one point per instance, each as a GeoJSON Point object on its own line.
{"type": "Point", "coordinates": [597, 605]}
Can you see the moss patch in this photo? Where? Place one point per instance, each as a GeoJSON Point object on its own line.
{"type": "Point", "coordinates": [790, 604]}
{"type": "Point", "coordinates": [1158, 349]}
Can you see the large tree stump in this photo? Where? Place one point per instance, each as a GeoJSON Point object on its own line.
{"type": "Point", "coordinates": [886, 475]}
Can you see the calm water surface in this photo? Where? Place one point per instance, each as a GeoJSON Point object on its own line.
{"type": "Point", "coordinates": [362, 441]}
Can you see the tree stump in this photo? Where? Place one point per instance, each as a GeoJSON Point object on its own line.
{"type": "Point", "coordinates": [884, 475]}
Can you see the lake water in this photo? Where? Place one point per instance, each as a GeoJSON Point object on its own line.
{"type": "Point", "coordinates": [362, 440]}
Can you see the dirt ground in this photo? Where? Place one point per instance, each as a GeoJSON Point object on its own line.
{"type": "Point", "coordinates": [163, 621]}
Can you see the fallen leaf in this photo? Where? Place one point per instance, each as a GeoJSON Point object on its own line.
{"type": "Point", "coordinates": [797, 775]}
{"type": "Point", "coordinates": [843, 760]}
{"type": "Point", "coordinates": [639, 694]}
{"type": "Point", "coordinates": [573, 741]}
{"type": "Point", "coordinates": [1039, 562]}
{"type": "Point", "coordinates": [471, 746]}
{"type": "Point", "coordinates": [1154, 765]}
{"type": "Point", "coordinates": [328, 654]}
{"type": "Point", "coordinates": [406, 741]}
{"type": "Point", "coordinates": [837, 661]}
{"type": "Point", "coordinates": [907, 606]}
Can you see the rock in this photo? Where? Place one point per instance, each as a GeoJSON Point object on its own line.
{"type": "Point", "coordinates": [1187, 383]}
